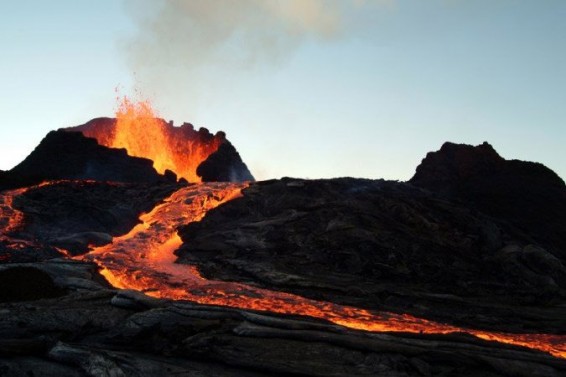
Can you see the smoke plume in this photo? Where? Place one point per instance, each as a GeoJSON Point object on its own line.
{"type": "Point", "coordinates": [177, 39]}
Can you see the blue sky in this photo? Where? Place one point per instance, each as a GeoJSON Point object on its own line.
{"type": "Point", "coordinates": [349, 88]}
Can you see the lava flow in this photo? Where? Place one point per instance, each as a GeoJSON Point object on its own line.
{"type": "Point", "coordinates": [143, 260]}
{"type": "Point", "coordinates": [143, 134]}
{"type": "Point", "coordinates": [11, 219]}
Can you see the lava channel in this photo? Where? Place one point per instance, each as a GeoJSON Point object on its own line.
{"type": "Point", "coordinates": [143, 260]}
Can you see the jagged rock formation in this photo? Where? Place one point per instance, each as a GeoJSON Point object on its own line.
{"type": "Point", "coordinates": [224, 165]}
{"type": "Point", "coordinates": [70, 155]}
{"type": "Point", "coordinates": [526, 197]}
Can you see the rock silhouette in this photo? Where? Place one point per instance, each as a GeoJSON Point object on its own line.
{"type": "Point", "coordinates": [70, 155]}
{"type": "Point", "coordinates": [224, 165]}
{"type": "Point", "coordinates": [526, 197]}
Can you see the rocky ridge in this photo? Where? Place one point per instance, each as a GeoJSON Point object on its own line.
{"type": "Point", "coordinates": [70, 155]}
{"type": "Point", "coordinates": [527, 198]}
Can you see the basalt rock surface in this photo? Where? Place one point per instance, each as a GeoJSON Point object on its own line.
{"type": "Point", "coordinates": [70, 155]}
{"type": "Point", "coordinates": [224, 165]}
{"type": "Point", "coordinates": [526, 198]}
{"type": "Point", "coordinates": [381, 245]}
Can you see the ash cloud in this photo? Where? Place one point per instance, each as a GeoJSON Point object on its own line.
{"type": "Point", "coordinates": [176, 40]}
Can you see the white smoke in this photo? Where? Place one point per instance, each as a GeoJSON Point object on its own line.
{"type": "Point", "coordinates": [178, 40]}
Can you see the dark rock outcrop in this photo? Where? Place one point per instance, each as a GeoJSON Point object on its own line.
{"type": "Point", "coordinates": [526, 197]}
{"type": "Point", "coordinates": [25, 284]}
{"type": "Point", "coordinates": [224, 165]}
{"type": "Point", "coordinates": [13, 250]}
{"type": "Point", "coordinates": [377, 244]}
{"type": "Point", "coordinates": [70, 155]}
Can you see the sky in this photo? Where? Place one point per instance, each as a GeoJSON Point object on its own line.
{"type": "Point", "coordinates": [303, 88]}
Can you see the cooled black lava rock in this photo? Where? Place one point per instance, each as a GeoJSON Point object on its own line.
{"type": "Point", "coordinates": [17, 251]}
{"type": "Point", "coordinates": [25, 284]}
{"type": "Point", "coordinates": [526, 195]}
{"type": "Point", "coordinates": [70, 155]}
{"type": "Point", "coordinates": [224, 165]}
{"type": "Point", "coordinates": [98, 332]}
{"type": "Point", "coordinates": [376, 244]}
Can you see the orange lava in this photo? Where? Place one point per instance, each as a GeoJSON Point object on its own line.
{"type": "Point", "coordinates": [143, 134]}
{"type": "Point", "coordinates": [143, 260]}
{"type": "Point", "coordinates": [10, 218]}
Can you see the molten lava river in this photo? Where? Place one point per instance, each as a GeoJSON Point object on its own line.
{"type": "Point", "coordinates": [143, 260]}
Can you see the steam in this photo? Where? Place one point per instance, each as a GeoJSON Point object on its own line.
{"type": "Point", "coordinates": [177, 39]}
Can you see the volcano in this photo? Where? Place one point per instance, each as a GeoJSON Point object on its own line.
{"type": "Point", "coordinates": [132, 247]}
{"type": "Point", "coordinates": [194, 155]}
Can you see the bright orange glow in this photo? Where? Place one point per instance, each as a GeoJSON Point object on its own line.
{"type": "Point", "coordinates": [139, 130]}
{"type": "Point", "coordinates": [143, 260]}
{"type": "Point", "coordinates": [142, 134]}
{"type": "Point", "coordinates": [10, 218]}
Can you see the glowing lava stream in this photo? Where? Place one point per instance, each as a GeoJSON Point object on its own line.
{"type": "Point", "coordinates": [143, 260]}
{"type": "Point", "coordinates": [11, 219]}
